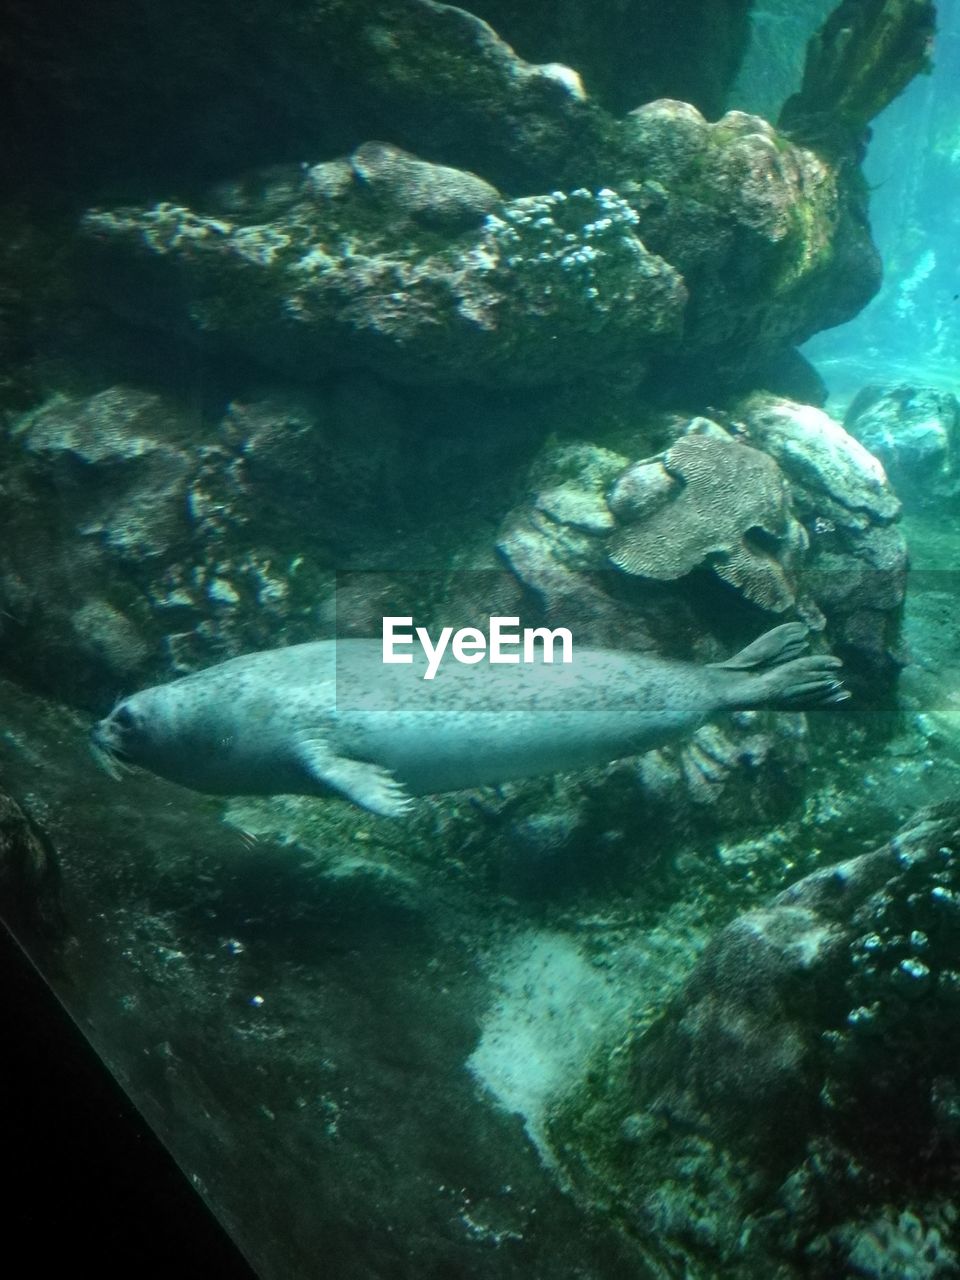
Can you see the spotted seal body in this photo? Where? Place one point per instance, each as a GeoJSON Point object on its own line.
{"type": "Point", "coordinates": [330, 716]}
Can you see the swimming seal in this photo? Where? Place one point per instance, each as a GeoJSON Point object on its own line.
{"type": "Point", "coordinates": [329, 716]}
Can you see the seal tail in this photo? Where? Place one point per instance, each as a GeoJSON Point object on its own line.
{"type": "Point", "coordinates": [780, 676]}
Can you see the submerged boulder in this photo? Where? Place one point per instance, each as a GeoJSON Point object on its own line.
{"type": "Point", "coordinates": [915, 432]}
{"type": "Point", "coordinates": [427, 273]}
{"type": "Point", "coordinates": [803, 1081]}
{"type": "Point", "coordinates": [402, 267]}
{"type": "Point", "coordinates": [855, 571]}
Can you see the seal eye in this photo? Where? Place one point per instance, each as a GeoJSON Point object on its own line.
{"type": "Point", "coordinates": [123, 717]}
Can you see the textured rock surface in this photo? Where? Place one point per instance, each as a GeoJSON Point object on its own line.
{"type": "Point", "coordinates": [915, 432]}
{"type": "Point", "coordinates": [855, 571]}
{"type": "Point", "coordinates": [803, 1079]}
{"type": "Point", "coordinates": [711, 195]}
{"type": "Point", "coordinates": [770, 239]}
{"type": "Point", "coordinates": [331, 270]}
{"type": "Point", "coordinates": [748, 238]}
{"type": "Point", "coordinates": [175, 539]}
{"type": "Point", "coordinates": [728, 507]}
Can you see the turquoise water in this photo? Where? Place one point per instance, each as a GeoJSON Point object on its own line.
{"type": "Point", "coordinates": [319, 317]}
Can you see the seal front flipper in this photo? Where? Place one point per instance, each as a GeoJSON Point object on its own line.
{"type": "Point", "coordinates": [367, 785]}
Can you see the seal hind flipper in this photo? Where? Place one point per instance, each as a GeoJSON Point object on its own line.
{"type": "Point", "coordinates": [781, 644]}
{"type": "Point", "coordinates": [368, 785]}
{"type": "Point", "coordinates": [811, 681]}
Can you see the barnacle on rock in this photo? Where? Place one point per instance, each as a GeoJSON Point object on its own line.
{"type": "Point", "coordinates": [730, 510]}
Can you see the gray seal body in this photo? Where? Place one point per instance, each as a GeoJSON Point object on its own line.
{"type": "Point", "coordinates": [330, 716]}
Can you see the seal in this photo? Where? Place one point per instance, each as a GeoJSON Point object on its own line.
{"type": "Point", "coordinates": [330, 716]}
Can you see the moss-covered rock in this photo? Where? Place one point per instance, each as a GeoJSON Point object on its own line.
{"type": "Point", "coordinates": [803, 1080]}
{"type": "Point", "coordinates": [422, 272]}
{"type": "Point", "coordinates": [339, 270]}
{"type": "Point", "coordinates": [632, 52]}
{"type": "Point", "coordinates": [862, 57]}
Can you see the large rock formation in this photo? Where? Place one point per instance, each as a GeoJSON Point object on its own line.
{"type": "Point", "coordinates": [697, 251]}
{"type": "Point", "coordinates": [799, 1098]}
{"type": "Point", "coordinates": [915, 432]}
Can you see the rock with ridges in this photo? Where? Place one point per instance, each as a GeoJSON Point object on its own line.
{"type": "Point", "coordinates": [730, 510]}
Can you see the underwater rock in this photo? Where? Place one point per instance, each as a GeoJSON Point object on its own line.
{"type": "Point", "coordinates": [915, 432]}
{"type": "Point", "coordinates": [768, 239]}
{"type": "Point", "coordinates": [200, 85]}
{"type": "Point", "coordinates": [862, 57]}
{"type": "Point", "coordinates": [729, 509]}
{"type": "Point", "coordinates": [640, 490]}
{"type": "Point", "coordinates": [771, 240]}
{"type": "Point", "coordinates": [855, 570]}
{"type": "Point", "coordinates": [553, 543]}
{"type": "Point", "coordinates": [892, 1246]}
{"type": "Point", "coordinates": [546, 287]}
{"type": "Point", "coordinates": [383, 259]}
{"type": "Point", "coordinates": [806, 1075]}
{"type": "Point", "coordinates": [433, 194]}
{"type": "Point", "coordinates": [631, 52]}
{"type": "Point", "coordinates": [173, 538]}
{"type": "Point", "coordinates": [97, 509]}
{"type": "Point", "coordinates": [820, 457]}
{"type": "Point", "coordinates": [177, 538]}
{"type": "Point", "coordinates": [30, 894]}
{"type": "Point", "coordinates": [118, 462]}
{"type": "Point", "coordinates": [782, 511]}
{"type": "Point", "coordinates": [791, 376]}
{"type": "Point", "coordinates": [557, 545]}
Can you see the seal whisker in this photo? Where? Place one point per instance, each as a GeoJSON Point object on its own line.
{"type": "Point", "coordinates": [107, 761]}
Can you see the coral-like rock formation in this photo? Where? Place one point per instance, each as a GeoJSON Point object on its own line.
{"type": "Point", "coordinates": [784, 506]}
{"type": "Point", "coordinates": [856, 568]}
{"type": "Point", "coordinates": [804, 1078]}
{"type": "Point", "coordinates": [728, 507]}
{"type": "Point", "coordinates": [335, 268]}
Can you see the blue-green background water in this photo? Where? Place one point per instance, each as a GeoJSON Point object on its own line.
{"type": "Point", "coordinates": [317, 314]}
